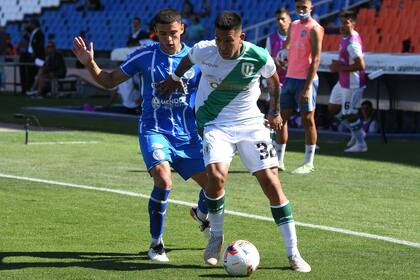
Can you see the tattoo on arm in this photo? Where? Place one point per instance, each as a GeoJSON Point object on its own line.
{"type": "Point", "coordinates": [274, 90]}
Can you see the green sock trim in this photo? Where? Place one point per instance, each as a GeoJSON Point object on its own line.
{"type": "Point", "coordinates": [215, 205]}
{"type": "Point", "coordinates": [282, 215]}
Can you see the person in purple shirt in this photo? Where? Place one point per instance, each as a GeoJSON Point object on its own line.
{"type": "Point", "coordinates": [347, 94]}
{"type": "Point", "coordinates": [275, 44]}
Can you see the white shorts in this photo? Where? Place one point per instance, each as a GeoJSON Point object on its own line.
{"type": "Point", "coordinates": [252, 141]}
{"type": "Point", "coordinates": [349, 98]}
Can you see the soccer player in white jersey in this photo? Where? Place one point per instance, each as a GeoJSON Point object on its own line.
{"type": "Point", "coordinates": [347, 94]}
{"type": "Point", "coordinates": [226, 108]}
{"type": "Point", "coordinates": [167, 132]}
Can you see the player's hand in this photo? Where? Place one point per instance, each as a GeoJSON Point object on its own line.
{"type": "Point", "coordinates": [83, 53]}
{"type": "Point", "coordinates": [304, 96]}
{"type": "Point", "coordinates": [275, 122]}
{"type": "Point", "coordinates": [168, 86]}
{"type": "Point", "coordinates": [335, 65]}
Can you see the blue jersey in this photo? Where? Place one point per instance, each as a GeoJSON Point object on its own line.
{"type": "Point", "coordinates": [169, 116]}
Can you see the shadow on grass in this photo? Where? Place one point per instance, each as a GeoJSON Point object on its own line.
{"type": "Point", "coordinates": [95, 260]}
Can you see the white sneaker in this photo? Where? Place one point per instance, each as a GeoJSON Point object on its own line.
{"type": "Point", "coordinates": [281, 166]}
{"type": "Point", "coordinates": [212, 252]}
{"type": "Point", "coordinates": [203, 225]}
{"type": "Point", "coordinates": [157, 253]}
{"type": "Point", "coordinates": [304, 169]}
{"type": "Point", "coordinates": [351, 142]}
{"type": "Point", "coordinates": [357, 148]}
{"type": "Point", "coordinates": [298, 264]}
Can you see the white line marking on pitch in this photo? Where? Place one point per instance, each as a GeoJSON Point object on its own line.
{"type": "Point", "coordinates": [235, 213]}
{"type": "Point", "coordinates": [63, 142]}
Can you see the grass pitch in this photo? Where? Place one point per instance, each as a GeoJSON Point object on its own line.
{"type": "Point", "coordinates": [55, 229]}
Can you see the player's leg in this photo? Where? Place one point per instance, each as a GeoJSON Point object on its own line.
{"type": "Point", "coordinates": [257, 155]}
{"type": "Point", "coordinates": [218, 151]}
{"type": "Point", "coordinates": [282, 214]}
{"type": "Point", "coordinates": [307, 112]}
{"type": "Point", "coordinates": [188, 161]}
{"type": "Point", "coordinates": [156, 155]}
{"type": "Point", "coordinates": [353, 99]}
{"type": "Point", "coordinates": [215, 199]}
{"type": "Point", "coordinates": [287, 105]}
{"type": "Point", "coordinates": [200, 212]}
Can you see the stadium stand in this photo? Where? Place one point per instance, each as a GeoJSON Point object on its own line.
{"type": "Point", "coordinates": [387, 30]}
{"type": "Point", "coordinates": [108, 28]}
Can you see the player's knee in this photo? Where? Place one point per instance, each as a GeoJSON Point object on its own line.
{"type": "Point", "coordinates": [162, 178]}
{"type": "Point", "coordinates": [217, 178]}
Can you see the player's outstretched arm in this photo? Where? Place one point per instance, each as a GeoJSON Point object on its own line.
{"type": "Point", "coordinates": [274, 117]}
{"type": "Point", "coordinates": [173, 82]}
{"type": "Point", "coordinates": [85, 55]}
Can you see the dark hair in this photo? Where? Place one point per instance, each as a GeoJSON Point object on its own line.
{"type": "Point", "coordinates": [367, 103]}
{"type": "Point", "coordinates": [137, 18]}
{"type": "Point", "coordinates": [228, 21]}
{"type": "Point", "coordinates": [35, 22]}
{"type": "Point", "coordinates": [283, 11]}
{"type": "Point", "coordinates": [349, 15]}
{"type": "Point", "coordinates": [303, 1]}
{"type": "Point", "coordinates": [167, 16]}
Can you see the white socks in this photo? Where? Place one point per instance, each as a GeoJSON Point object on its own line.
{"type": "Point", "coordinates": [309, 154]}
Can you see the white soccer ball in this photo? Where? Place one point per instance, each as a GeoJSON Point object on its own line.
{"type": "Point", "coordinates": [241, 258]}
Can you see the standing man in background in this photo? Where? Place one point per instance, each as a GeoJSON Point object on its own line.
{"type": "Point", "coordinates": [347, 94]}
{"type": "Point", "coordinates": [36, 48]}
{"type": "Point", "coordinates": [275, 43]}
{"type": "Point", "coordinates": [304, 43]}
{"type": "Point", "coordinates": [137, 33]}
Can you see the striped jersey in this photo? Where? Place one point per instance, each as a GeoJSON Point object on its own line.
{"type": "Point", "coordinates": [229, 88]}
{"type": "Point", "coordinates": [174, 115]}
{"type": "Point", "coordinates": [350, 48]}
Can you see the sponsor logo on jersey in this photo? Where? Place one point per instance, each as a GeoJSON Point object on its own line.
{"type": "Point", "coordinates": [247, 69]}
{"type": "Point", "coordinates": [169, 103]}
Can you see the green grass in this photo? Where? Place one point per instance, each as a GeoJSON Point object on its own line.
{"type": "Point", "coordinates": [48, 231]}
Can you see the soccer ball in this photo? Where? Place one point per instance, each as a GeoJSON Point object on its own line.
{"type": "Point", "coordinates": [241, 258]}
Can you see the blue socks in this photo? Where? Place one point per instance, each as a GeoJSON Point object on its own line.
{"type": "Point", "coordinates": [202, 205]}
{"type": "Point", "coordinates": [157, 212]}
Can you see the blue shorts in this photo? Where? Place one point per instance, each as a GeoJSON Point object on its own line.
{"type": "Point", "coordinates": [185, 156]}
{"type": "Point", "coordinates": [289, 96]}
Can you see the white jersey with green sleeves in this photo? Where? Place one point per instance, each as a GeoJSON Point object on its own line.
{"type": "Point", "coordinates": [229, 88]}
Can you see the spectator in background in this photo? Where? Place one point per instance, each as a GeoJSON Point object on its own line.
{"type": "Point", "coordinates": [3, 36]}
{"type": "Point", "coordinates": [36, 49]}
{"type": "Point", "coordinates": [53, 68]}
{"type": "Point", "coordinates": [187, 12]}
{"type": "Point", "coordinates": [346, 95]}
{"type": "Point", "coordinates": [94, 5]}
{"type": "Point", "coordinates": [24, 57]}
{"type": "Point", "coordinates": [129, 92]}
{"type": "Point", "coordinates": [275, 44]}
{"type": "Point", "coordinates": [368, 118]}
{"type": "Point", "coordinates": [137, 33]}
{"type": "Point", "coordinates": [205, 10]}
{"type": "Point", "coordinates": [195, 32]}
{"type": "Point", "coordinates": [304, 43]}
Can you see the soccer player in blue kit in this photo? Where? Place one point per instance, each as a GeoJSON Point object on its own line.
{"type": "Point", "coordinates": [167, 130]}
